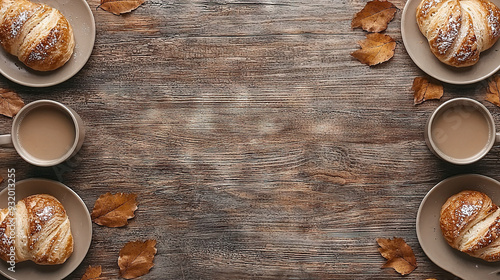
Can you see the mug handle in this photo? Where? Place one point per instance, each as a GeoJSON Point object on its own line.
{"type": "Point", "coordinates": [6, 140]}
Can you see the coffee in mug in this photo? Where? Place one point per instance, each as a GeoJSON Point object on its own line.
{"type": "Point", "coordinates": [460, 131]}
{"type": "Point", "coordinates": [46, 133]}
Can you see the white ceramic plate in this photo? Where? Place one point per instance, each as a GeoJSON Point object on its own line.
{"type": "Point", "coordinates": [418, 48]}
{"type": "Point", "coordinates": [81, 228]}
{"type": "Point", "coordinates": [82, 21]}
{"type": "Point", "coordinates": [429, 232]}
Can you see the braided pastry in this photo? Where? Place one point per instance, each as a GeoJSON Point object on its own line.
{"type": "Point", "coordinates": [458, 30]}
{"type": "Point", "coordinates": [39, 35]}
{"type": "Point", "coordinates": [470, 222]}
{"type": "Point", "coordinates": [42, 231]}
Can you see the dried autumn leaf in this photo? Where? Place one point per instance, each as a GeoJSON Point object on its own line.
{"type": "Point", "coordinates": [398, 254]}
{"type": "Point", "coordinates": [377, 48]}
{"type": "Point", "coordinates": [136, 258]}
{"type": "Point", "coordinates": [119, 7]}
{"type": "Point", "coordinates": [1, 179]}
{"type": "Point", "coordinates": [10, 103]}
{"type": "Point", "coordinates": [113, 210]}
{"type": "Point", "coordinates": [92, 273]}
{"type": "Point", "coordinates": [425, 89]}
{"type": "Point", "coordinates": [493, 93]}
{"type": "Point", "coordinates": [375, 16]}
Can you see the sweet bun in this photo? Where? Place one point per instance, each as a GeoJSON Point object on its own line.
{"type": "Point", "coordinates": [39, 35]}
{"type": "Point", "coordinates": [470, 222]}
{"type": "Point", "coordinates": [37, 228]}
{"type": "Point", "coordinates": [459, 30]}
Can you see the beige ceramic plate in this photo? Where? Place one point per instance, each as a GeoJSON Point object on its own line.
{"type": "Point", "coordinates": [417, 47]}
{"type": "Point", "coordinates": [81, 228]}
{"type": "Point", "coordinates": [429, 232]}
{"type": "Point", "coordinates": [81, 19]}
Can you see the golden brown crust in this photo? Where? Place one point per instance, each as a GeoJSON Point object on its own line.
{"type": "Point", "coordinates": [470, 222]}
{"type": "Point", "coordinates": [40, 36]}
{"type": "Point", "coordinates": [460, 211]}
{"type": "Point", "coordinates": [459, 30]}
{"type": "Point", "coordinates": [42, 231]}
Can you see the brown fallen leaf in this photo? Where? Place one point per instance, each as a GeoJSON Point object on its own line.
{"type": "Point", "coordinates": [119, 7]}
{"type": "Point", "coordinates": [136, 258]}
{"type": "Point", "coordinates": [10, 103]}
{"type": "Point", "coordinates": [398, 254]}
{"type": "Point", "coordinates": [92, 273]}
{"type": "Point", "coordinates": [113, 210]}
{"type": "Point", "coordinates": [377, 48]}
{"type": "Point", "coordinates": [1, 179]}
{"type": "Point", "coordinates": [425, 89]}
{"type": "Point", "coordinates": [375, 16]}
{"type": "Point", "coordinates": [493, 92]}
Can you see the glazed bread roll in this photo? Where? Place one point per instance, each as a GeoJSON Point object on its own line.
{"type": "Point", "coordinates": [458, 30]}
{"type": "Point", "coordinates": [40, 36]}
{"type": "Point", "coordinates": [470, 222]}
{"type": "Point", "coordinates": [42, 231]}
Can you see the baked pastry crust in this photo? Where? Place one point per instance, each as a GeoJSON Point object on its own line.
{"type": "Point", "coordinates": [470, 222]}
{"type": "Point", "coordinates": [42, 231]}
{"type": "Point", "coordinates": [459, 30]}
{"type": "Point", "coordinates": [39, 35]}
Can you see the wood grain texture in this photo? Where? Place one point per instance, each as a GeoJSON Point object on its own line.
{"type": "Point", "coordinates": [258, 147]}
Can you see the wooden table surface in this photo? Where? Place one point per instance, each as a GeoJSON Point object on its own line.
{"type": "Point", "coordinates": [258, 147]}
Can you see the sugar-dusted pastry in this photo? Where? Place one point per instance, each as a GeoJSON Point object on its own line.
{"type": "Point", "coordinates": [459, 30]}
{"type": "Point", "coordinates": [470, 222]}
{"type": "Point", "coordinates": [42, 231]}
{"type": "Point", "coordinates": [39, 35]}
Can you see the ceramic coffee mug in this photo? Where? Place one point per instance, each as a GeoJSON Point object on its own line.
{"type": "Point", "coordinates": [461, 131]}
{"type": "Point", "coordinates": [45, 133]}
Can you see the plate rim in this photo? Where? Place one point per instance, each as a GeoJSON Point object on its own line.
{"type": "Point", "coordinates": [69, 75]}
{"type": "Point", "coordinates": [87, 216]}
{"type": "Point", "coordinates": [405, 20]}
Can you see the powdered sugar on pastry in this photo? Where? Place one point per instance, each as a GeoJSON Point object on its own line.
{"type": "Point", "coordinates": [40, 36]}
{"type": "Point", "coordinates": [459, 30]}
{"type": "Point", "coordinates": [470, 222]}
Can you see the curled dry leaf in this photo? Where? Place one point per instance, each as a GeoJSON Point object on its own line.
{"type": "Point", "coordinates": [10, 103]}
{"type": "Point", "coordinates": [377, 48]}
{"type": "Point", "coordinates": [1, 179]}
{"type": "Point", "coordinates": [113, 210]}
{"type": "Point", "coordinates": [425, 89]}
{"type": "Point", "coordinates": [119, 7]}
{"type": "Point", "coordinates": [493, 93]}
{"type": "Point", "coordinates": [136, 258]}
{"type": "Point", "coordinates": [398, 254]}
{"type": "Point", "coordinates": [375, 16]}
{"type": "Point", "coordinates": [92, 273]}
